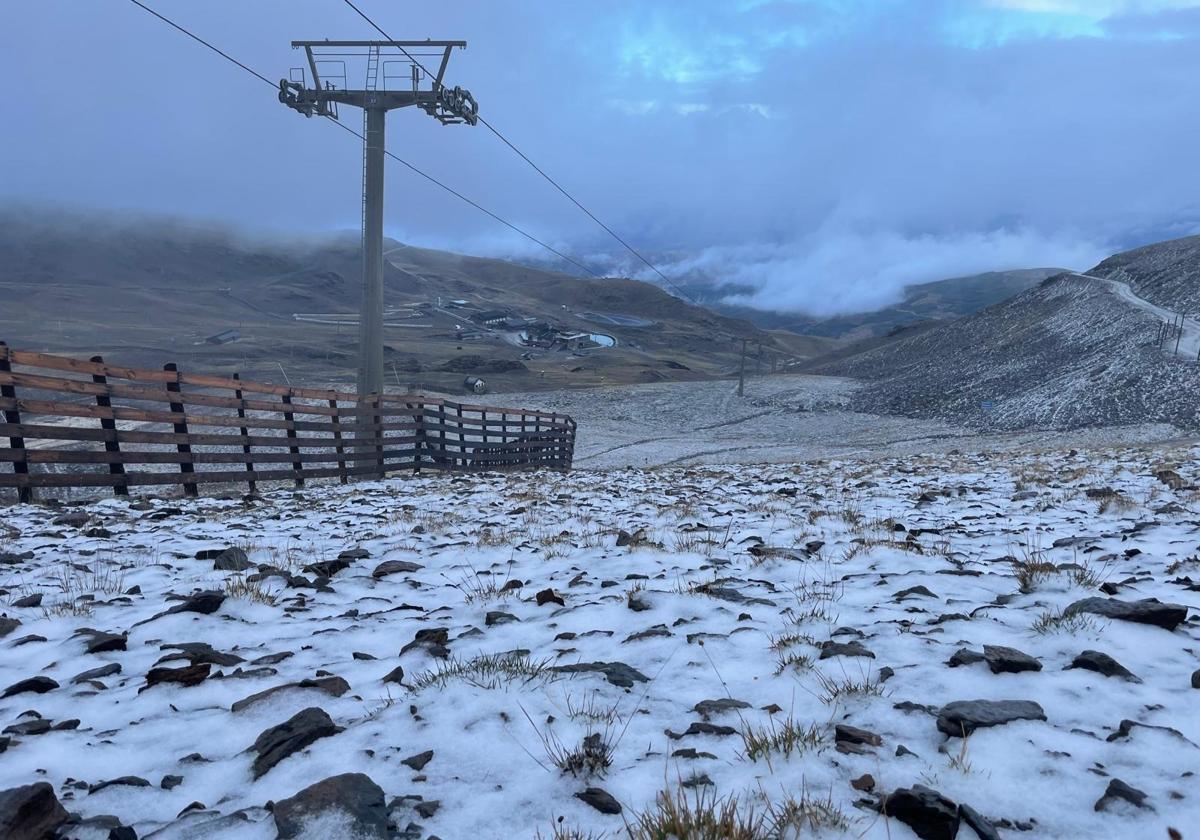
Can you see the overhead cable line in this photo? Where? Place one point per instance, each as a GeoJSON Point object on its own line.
{"type": "Point", "coordinates": [527, 159]}
{"type": "Point", "coordinates": [393, 156]}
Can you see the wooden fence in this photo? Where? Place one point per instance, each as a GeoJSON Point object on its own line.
{"type": "Point", "coordinates": [147, 422]}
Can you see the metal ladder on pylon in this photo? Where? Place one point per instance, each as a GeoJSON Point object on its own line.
{"type": "Point", "coordinates": [371, 85]}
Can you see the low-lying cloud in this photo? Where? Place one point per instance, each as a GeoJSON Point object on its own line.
{"type": "Point", "coordinates": [837, 272]}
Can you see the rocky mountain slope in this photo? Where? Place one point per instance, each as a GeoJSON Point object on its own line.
{"type": "Point", "coordinates": [1067, 354]}
{"type": "Point", "coordinates": [1166, 273]}
{"type": "Point", "coordinates": [899, 648]}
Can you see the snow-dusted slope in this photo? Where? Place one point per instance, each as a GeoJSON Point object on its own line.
{"type": "Point", "coordinates": [1166, 273]}
{"type": "Point", "coordinates": [818, 596]}
{"type": "Point", "coordinates": [1072, 352]}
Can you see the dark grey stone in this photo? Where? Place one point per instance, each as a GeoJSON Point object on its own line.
{"type": "Point", "coordinates": [852, 648]}
{"type": "Point", "coordinates": [97, 673]}
{"type": "Point", "coordinates": [30, 812]}
{"type": "Point", "coordinates": [1101, 663]}
{"type": "Point", "coordinates": [418, 761]}
{"type": "Point", "coordinates": [1006, 660]}
{"type": "Point", "coordinates": [333, 686]}
{"type": "Point", "coordinates": [1118, 790]}
{"type": "Point", "coordinates": [978, 823]}
{"type": "Point", "coordinates": [964, 656]}
{"type": "Point", "coordinates": [392, 567]}
{"type": "Point", "coordinates": [353, 794]}
{"type": "Point", "coordinates": [36, 685]}
{"type": "Point", "coordinates": [231, 560]}
{"type": "Point", "coordinates": [1147, 611]}
{"type": "Point", "coordinates": [724, 704]}
{"type": "Point", "coordinates": [601, 800]}
{"type": "Point", "coordinates": [963, 717]}
{"type": "Point", "coordinates": [291, 736]}
{"type": "Point", "coordinates": [930, 815]}
{"type": "Point", "coordinates": [617, 673]}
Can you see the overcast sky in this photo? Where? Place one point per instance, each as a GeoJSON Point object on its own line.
{"type": "Point", "coordinates": [823, 152]}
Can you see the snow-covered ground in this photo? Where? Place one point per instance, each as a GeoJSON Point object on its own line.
{"type": "Point", "coordinates": [654, 591]}
{"type": "Point", "coordinates": [781, 419]}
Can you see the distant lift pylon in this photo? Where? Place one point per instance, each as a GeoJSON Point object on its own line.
{"type": "Point", "coordinates": [381, 92]}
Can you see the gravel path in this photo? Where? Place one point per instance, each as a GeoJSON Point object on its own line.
{"type": "Point", "coordinates": [781, 419]}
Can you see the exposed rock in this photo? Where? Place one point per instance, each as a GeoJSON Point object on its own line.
{"type": "Point", "coordinates": [332, 685]}
{"type": "Point", "coordinates": [34, 600]}
{"type": "Point", "coordinates": [354, 796]}
{"type": "Point", "coordinates": [200, 652]}
{"type": "Point", "coordinates": [291, 736]}
{"type": "Point", "coordinates": [706, 708]}
{"type": "Point", "coordinates": [327, 568]}
{"type": "Point", "coordinates": [418, 761]}
{"type": "Point", "coordinates": [913, 592]}
{"type": "Point", "coordinates": [170, 782]}
{"type": "Point", "coordinates": [7, 625]}
{"type": "Point", "coordinates": [396, 675]}
{"type": "Point", "coordinates": [393, 567]}
{"type": "Point", "coordinates": [1006, 660]}
{"type": "Point", "coordinates": [656, 630]}
{"type": "Point", "coordinates": [30, 812]}
{"type": "Point", "coordinates": [101, 642]}
{"type": "Point", "coordinates": [617, 673]}
{"type": "Point", "coordinates": [186, 676]}
{"type": "Point", "coordinates": [964, 656]}
{"type": "Point", "coordinates": [702, 728]}
{"type": "Point", "coordinates": [865, 783]}
{"type": "Point", "coordinates": [231, 559]}
{"type": "Point", "coordinates": [853, 735]}
{"type": "Point", "coordinates": [433, 639]}
{"type": "Point", "coordinates": [1148, 611]}
{"type": "Point", "coordinates": [120, 781]}
{"type": "Point", "coordinates": [601, 800]}
{"type": "Point", "coordinates": [963, 717]}
{"type": "Point", "coordinates": [36, 685]}
{"type": "Point", "coordinates": [1196, 678]}
{"type": "Point", "coordinates": [1119, 791]}
{"type": "Point", "coordinates": [495, 617]}
{"type": "Point", "coordinates": [548, 596]}
{"type": "Point", "coordinates": [978, 823]}
{"type": "Point", "coordinates": [1101, 663]}
{"type": "Point", "coordinates": [930, 815]}
{"type": "Point", "coordinates": [1125, 729]}
{"type": "Point", "coordinates": [97, 673]}
{"type": "Point", "coordinates": [852, 648]}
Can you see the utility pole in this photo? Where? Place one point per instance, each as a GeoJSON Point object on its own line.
{"type": "Point", "coordinates": [742, 372]}
{"type": "Point", "coordinates": [376, 97]}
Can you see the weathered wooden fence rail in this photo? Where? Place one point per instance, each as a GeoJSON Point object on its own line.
{"type": "Point", "coordinates": [146, 427]}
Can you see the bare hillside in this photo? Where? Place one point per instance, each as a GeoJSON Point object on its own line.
{"type": "Point", "coordinates": [1067, 354]}
{"type": "Point", "coordinates": [144, 293]}
{"type": "Point", "coordinates": [1166, 273]}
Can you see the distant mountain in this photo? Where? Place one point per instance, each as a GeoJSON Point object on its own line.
{"type": "Point", "coordinates": [1071, 352]}
{"type": "Point", "coordinates": [940, 300]}
{"type": "Point", "coordinates": [143, 292]}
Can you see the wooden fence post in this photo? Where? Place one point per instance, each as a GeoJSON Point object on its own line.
{"type": "Point", "coordinates": [418, 436]}
{"type": "Point", "coordinates": [377, 419]}
{"type": "Point", "coordinates": [109, 425]}
{"type": "Point", "coordinates": [336, 420]}
{"type": "Point", "coordinates": [241, 412]}
{"type": "Point", "coordinates": [462, 439]}
{"type": "Point", "coordinates": [290, 419]}
{"type": "Point", "coordinates": [186, 466]}
{"type": "Point", "coordinates": [13, 416]}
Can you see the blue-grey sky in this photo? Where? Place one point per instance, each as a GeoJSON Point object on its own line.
{"type": "Point", "coordinates": [823, 152]}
